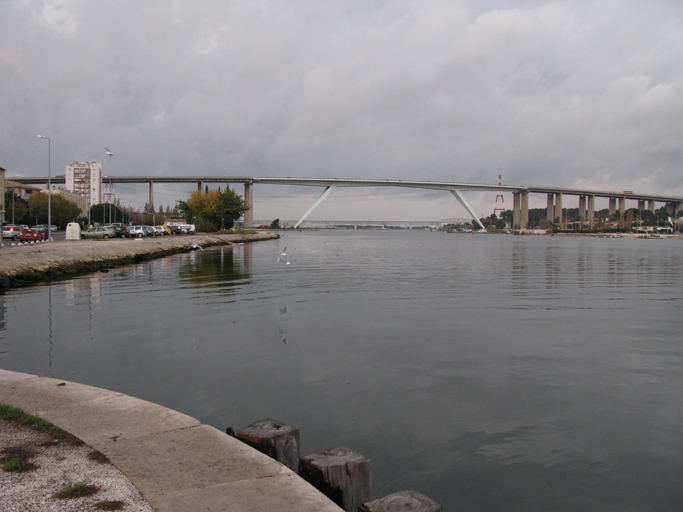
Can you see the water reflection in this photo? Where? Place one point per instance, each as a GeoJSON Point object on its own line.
{"type": "Point", "coordinates": [491, 373]}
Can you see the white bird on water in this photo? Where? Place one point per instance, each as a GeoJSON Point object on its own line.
{"type": "Point", "coordinates": [195, 247]}
{"type": "Point", "coordinates": [282, 257]}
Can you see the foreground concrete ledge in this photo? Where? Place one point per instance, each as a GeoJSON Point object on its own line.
{"type": "Point", "coordinates": [177, 463]}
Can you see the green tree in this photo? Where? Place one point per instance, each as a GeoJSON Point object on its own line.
{"type": "Point", "coordinates": [221, 209]}
{"type": "Point", "coordinates": [20, 208]}
{"type": "Point", "coordinates": [62, 211]}
{"type": "Point", "coordinates": [275, 224]}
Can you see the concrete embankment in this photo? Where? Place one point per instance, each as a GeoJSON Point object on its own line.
{"type": "Point", "coordinates": [177, 463]}
{"type": "Point", "coordinates": [28, 264]}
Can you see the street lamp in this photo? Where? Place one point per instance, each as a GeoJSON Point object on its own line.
{"type": "Point", "coordinates": [49, 191]}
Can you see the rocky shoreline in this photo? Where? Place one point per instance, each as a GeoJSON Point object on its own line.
{"type": "Point", "coordinates": [25, 265]}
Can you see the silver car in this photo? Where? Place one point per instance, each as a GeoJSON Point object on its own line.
{"type": "Point", "coordinates": [137, 231]}
{"type": "Point", "coordinates": [101, 232]}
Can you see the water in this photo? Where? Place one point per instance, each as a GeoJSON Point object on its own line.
{"type": "Point", "coordinates": [489, 372]}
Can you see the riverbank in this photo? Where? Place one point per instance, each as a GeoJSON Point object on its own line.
{"type": "Point", "coordinates": [24, 265]}
{"type": "Point", "coordinates": [174, 461]}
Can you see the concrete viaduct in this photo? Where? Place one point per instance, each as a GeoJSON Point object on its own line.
{"type": "Point", "coordinates": [520, 209]}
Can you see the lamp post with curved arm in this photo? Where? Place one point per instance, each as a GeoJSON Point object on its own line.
{"type": "Point", "coordinates": [49, 191]}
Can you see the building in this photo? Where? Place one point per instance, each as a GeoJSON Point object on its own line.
{"type": "Point", "coordinates": [21, 190]}
{"type": "Point", "coordinates": [85, 179]}
{"type": "Point", "coordinates": [81, 201]}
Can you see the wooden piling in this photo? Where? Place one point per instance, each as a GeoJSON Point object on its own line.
{"type": "Point", "coordinates": [274, 438]}
{"type": "Point", "coordinates": [404, 501]}
{"type": "Point", "coordinates": [341, 474]}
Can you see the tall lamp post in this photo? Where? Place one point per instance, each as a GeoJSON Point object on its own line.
{"type": "Point", "coordinates": [49, 191]}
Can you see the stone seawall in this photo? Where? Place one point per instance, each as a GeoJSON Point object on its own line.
{"type": "Point", "coordinates": [29, 264]}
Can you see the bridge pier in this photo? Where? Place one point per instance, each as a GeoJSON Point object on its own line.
{"type": "Point", "coordinates": [641, 204]}
{"type": "Point", "coordinates": [651, 205]}
{"type": "Point", "coordinates": [622, 206]}
{"type": "Point", "coordinates": [591, 210]}
{"type": "Point", "coordinates": [200, 186]}
{"type": "Point", "coordinates": [249, 201]}
{"type": "Point", "coordinates": [558, 207]}
{"type": "Point", "coordinates": [582, 207]}
{"type": "Point", "coordinates": [516, 209]}
{"type": "Point", "coordinates": [551, 208]}
{"type": "Point", "coordinates": [612, 205]}
{"type": "Point", "coordinates": [677, 209]}
{"type": "Point", "coordinates": [520, 210]}
{"type": "Point", "coordinates": [150, 203]}
{"type": "Point", "coordinates": [524, 221]}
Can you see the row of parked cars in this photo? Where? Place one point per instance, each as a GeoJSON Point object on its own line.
{"type": "Point", "coordinates": [21, 232]}
{"type": "Point", "coordinates": [119, 231]}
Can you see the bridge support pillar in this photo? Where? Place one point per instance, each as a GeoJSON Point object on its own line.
{"type": "Point", "coordinates": [670, 208]}
{"type": "Point", "coordinates": [641, 204]}
{"type": "Point", "coordinates": [612, 205]}
{"type": "Point", "coordinates": [551, 208]}
{"type": "Point", "coordinates": [200, 186]}
{"type": "Point", "coordinates": [651, 205]}
{"type": "Point", "coordinates": [516, 210]}
{"type": "Point", "coordinates": [524, 220]}
{"type": "Point", "coordinates": [622, 205]}
{"type": "Point", "coordinates": [677, 209]}
{"type": "Point", "coordinates": [150, 203]}
{"type": "Point", "coordinates": [591, 210]}
{"type": "Point", "coordinates": [582, 207]}
{"type": "Point", "coordinates": [558, 207]}
{"type": "Point", "coordinates": [249, 201]}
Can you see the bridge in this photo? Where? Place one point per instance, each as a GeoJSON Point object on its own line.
{"type": "Point", "coordinates": [520, 209]}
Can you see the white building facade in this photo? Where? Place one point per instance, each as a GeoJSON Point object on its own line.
{"type": "Point", "coordinates": [85, 179]}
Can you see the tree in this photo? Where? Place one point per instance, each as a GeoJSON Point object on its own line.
{"type": "Point", "coordinates": [221, 209]}
{"type": "Point", "coordinates": [62, 211]}
{"type": "Point", "coordinates": [275, 224]}
{"type": "Point", "coordinates": [20, 208]}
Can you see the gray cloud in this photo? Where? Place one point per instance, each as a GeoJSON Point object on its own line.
{"type": "Point", "coordinates": [569, 93]}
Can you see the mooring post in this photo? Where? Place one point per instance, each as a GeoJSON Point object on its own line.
{"type": "Point", "coordinates": [341, 474]}
{"type": "Point", "coordinates": [274, 438]}
{"type": "Point", "coordinates": [404, 501]}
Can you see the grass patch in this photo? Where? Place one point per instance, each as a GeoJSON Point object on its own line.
{"type": "Point", "coordinates": [9, 413]}
{"type": "Point", "coordinates": [109, 505]}
{"type": "Point", "coordinates": [77, 490]}
{"type": "Point", "coordinates": [16, 459]}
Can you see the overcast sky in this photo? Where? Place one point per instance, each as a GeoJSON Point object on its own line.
{"type": "Point", "coordinates": [566, 93]}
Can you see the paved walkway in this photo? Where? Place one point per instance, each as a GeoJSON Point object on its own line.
{"type": "Point", "coordinates": [177, 463]}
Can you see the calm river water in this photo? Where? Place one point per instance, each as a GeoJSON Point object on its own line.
{"type": "Point", "coordinates": [489, 372]}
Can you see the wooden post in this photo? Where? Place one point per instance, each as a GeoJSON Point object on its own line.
{"type": "Point", "coordinates": [277, 440]}
{"type": "Point", "coordinates": [341, 474]}
{"type": "Point", "coordinates": [404, 501]}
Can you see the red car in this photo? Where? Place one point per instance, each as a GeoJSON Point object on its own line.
{"type": "Point", "coordinates": [30, 235]}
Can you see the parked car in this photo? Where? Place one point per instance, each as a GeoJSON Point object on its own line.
{"type": "Point", "coordinates": [53, 227]}
{"type": "Point", "coordinates": [121, 231]}
{"type": "Point", "coordinates": [162, 230]}
{"type": "Point", "coordinates": [100, 232]}
{"type": "Point", "coordinates": [40, 228]}
{"type": "Point", "coordinates": [29, 235]}
{"type": "Point", "coordinates": [175, 230]}
{"type": "Point", "coordinates": [150, 231]}
{"type": "Point", "coordinates": [11, 231]}
{"type": "Point", "coordinates": [188, 228]}
{"type": "Point", "coordinates": [137, 231]}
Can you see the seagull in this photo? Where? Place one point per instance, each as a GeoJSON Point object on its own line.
{"type": "Point", "coordinates": [281, 258]}
{"type": "Point", "coordinates": [195, 247]}
{"type": "Point", "coordinates": [108, 153]}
